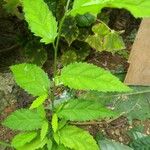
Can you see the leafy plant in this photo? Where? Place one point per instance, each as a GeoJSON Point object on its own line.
{"type": "Point", "coordinates": [55, 131]}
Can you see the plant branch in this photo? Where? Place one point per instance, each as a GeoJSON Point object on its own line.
{"type": "Point", "coordinates": [55, 46]}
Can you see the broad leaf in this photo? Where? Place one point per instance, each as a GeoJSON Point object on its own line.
{"type": "Point", "coordinates": [40, 19]}
{"type": "Point", "coordinates": [39, 101]}
{"type": "Point", "coordinates": [33, 145]}
{"type": "Point", "coordinates": [69, 30]}
{"type": "Point", "coordinates": [113, 42]}
{"type": "Point", "coordinates": [139, 8]}
{"type": "Point", "coordinates": [85, 20]}
{"type": "Point", "coordinates": [111, 145]}
{"type": "Point", "coordinates": [105, 39]}
{"type": "Point", "coordinates": [84, 110]}
{"type": "Point", "coordinates": [131, 103]}
{"type": "Point", "coordinates": [85, 76]}
{"type": "Point", "coordinates": [87, 6]}
{"type": "Point", "coordinates": [44, 130]}
{"type": "Point", "coordinates": [77, 139]}
{"type": "Point", "coordinates": [24, 119]}
{"type": "Point", "coordinates": [55, 122]}
{"type": "Point", "coordinates": [21, 139]}
{"type": "Point", "coordinates": [31, 78]}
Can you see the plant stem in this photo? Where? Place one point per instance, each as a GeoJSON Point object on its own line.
{"type": "Point", "coordinates": [55, 46]}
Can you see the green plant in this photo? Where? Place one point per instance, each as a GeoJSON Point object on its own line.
{"type": "Point", "coordinates": [56, 131]}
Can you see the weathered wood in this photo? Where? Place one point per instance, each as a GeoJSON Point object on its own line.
{"type": "Point", "coordinates": [139, 69]}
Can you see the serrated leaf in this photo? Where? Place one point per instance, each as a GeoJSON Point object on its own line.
{"type": "Point", "coordinates": [141, 143]}
{"type": "Point", "coordinates": [111, 145]}
{"type": "Point", "coordinates": [24, 119]}
{"type": "Point", "coordinates": [84, 76]}
{"type": "Point", "coordinates": [31, 78]}
{"type": "Point", "coordinates": [55, 122]}
{"type": "Point", "coordinates": [69, 30]}
{"type": "Point", "coordinates": [39, 101]}
{"type": "Point", "coordinates": [134, 7]}
{"type": "Point", "coordinates": [40, 19]}
{"type": "Point", "coordinates": [21, 139]}
{"type": "Point", "coordinates": [33, 145]}
{"type": "Point", "coordinates": [84, 110]}
{"type": "Point", "coordinates": [77, 139]}
{"type": "Point", "coordinates": [44, 130]}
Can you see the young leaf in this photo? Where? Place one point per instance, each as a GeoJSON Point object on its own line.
{"type": "Point", "coordinates": [33, 145]}
{"type": "Point", "coordinates": [84, 110]}
{"type": "Point", "coordinates": [44, 130]}
{"type": "Point", "coordinates": [55, 122]}
{"type": "Point", "coordinates": [77, 139]}
{"type": "Point", "coordinates": [31, 78]}
{"type": "Point", "coordinates": [24, 119]}
{"type": "Point", "coordinates": [39, 101]}
{"type": "Point", "coordinates": [134, 7]}
{"type": "Point", "coordinates": [21, 139]}
{"type": "Point", "coordinates": [40, 19]}
{"type": "Point", "coordinates": [85, 76]}
{"type": "Point", "coordinates": [111, 145]}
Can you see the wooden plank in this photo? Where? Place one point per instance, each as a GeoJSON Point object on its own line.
{"type": "Point", "coordinates": [139, 69]}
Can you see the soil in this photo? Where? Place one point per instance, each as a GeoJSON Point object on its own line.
{"type": "Point", "coordinates": [116, 129]}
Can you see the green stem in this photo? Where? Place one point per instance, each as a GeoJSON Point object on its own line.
{"type": "Point", "coordinates": [55, 46]}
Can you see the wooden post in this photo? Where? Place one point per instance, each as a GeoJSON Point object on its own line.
{"type": "Point", "coordinates": [139, 69]}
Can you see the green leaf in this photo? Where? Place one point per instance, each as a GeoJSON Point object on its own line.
{"type": "Point", "coordinates": [35, 55]}
{"type": "Point", "coordinates": [55, 122]}
{"type": "Point", "coordinates": [49, 144]}
{"type": "Point", "coordinates": [84, 110]}
{"type": "Point", "coordinates": [139, 8]}
{"type": "Point", "coordinates": [40, 19]}
{"type": "Point", "coordinates": [113, 42]}
{"type": "Point", "coordinates": [111, 145]}
{"type": "Point", "coordinates": [105, 39]}
{"type": "Point", "coordinates": [85, 76]}
{"type": "Point", "coordinates": [41, 111]}
{"type": "Point", "coordinates": [31, 78]}
{"type": "Point", "coordinates": [85, 20]}
{"type": "Point", "coordinates": [87, 6]}
{"type": "Point", "coordinates": [69, 29]}
{"type": "Point", "coordinates": [33, 145]}
{"type": "Point", "coordinates": [141, 143]}
{"type": "Point", "coordinates": [77, 139]}
{"type": "Point", "coordinates": [68, 57]}
{"type": "Point", "coordinates": [21, 139]}
{"type": "Point", "coordinates": [130, 104]}
{"type": "Point", "coordinates": [39, 101]}
{"type": "Point", "coordinates": [44, 130]}
{"type": "Point", "coordinates": [24, 119]}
